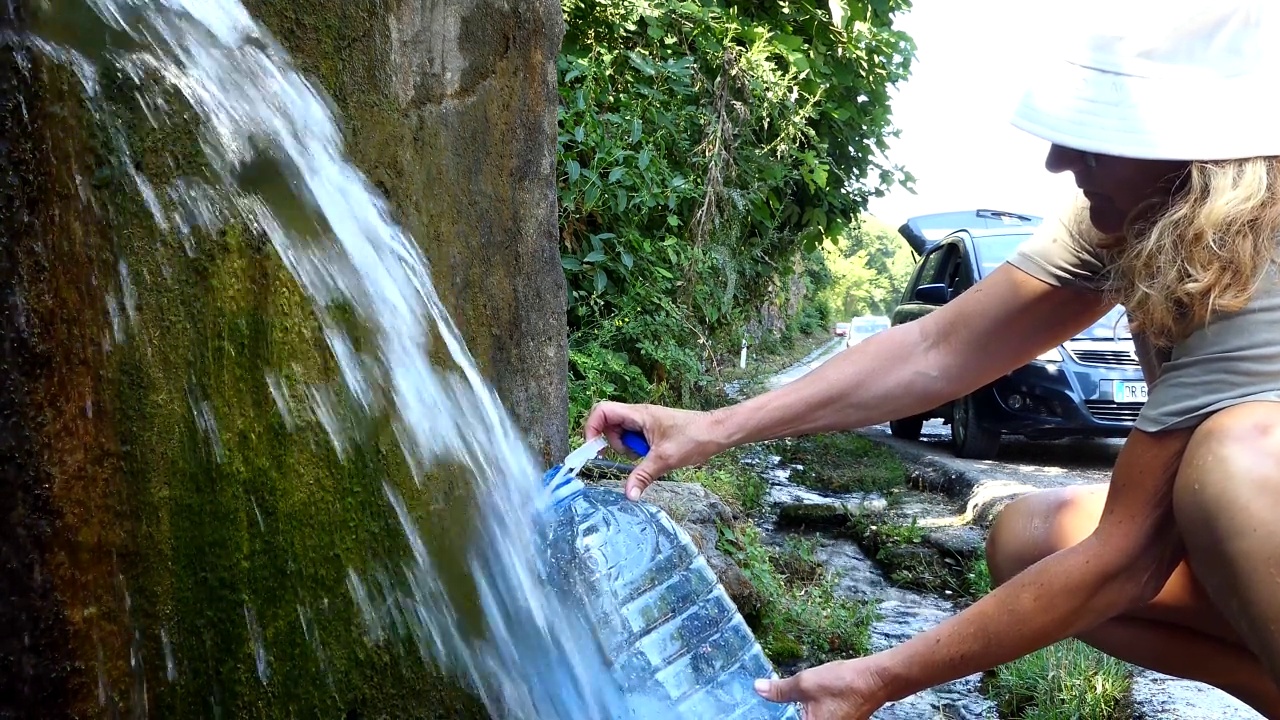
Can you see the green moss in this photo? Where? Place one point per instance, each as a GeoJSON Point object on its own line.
{"type": "Point", "coordinates": [803, 617]}
{"type": "Point", "coordinates": [842, 462]}
{"type": "Point", "coordinates": [900, 551]}
{"type": "Point", "coordinates": [907, 557]}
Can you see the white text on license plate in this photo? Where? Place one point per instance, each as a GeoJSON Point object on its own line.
{"type": "Point", "coordinates": [1128, 391]}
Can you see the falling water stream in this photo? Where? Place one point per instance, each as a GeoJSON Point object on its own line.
{"type": "Point", "coordinates": [257, 118]}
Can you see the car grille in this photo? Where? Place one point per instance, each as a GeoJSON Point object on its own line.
{"type": "Point", "coordinates": [1122, 358]}
{"type": "Point", "coordinates": [1108, 411]}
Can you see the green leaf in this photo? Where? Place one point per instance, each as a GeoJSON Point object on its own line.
{"type": "Point", "coordinates": [616, 173]}
{"type": "Point", "coordinates": [579, 133]}
{"type": "Point", "coordinates": [620, 200]}
{"type": "Point", "coordinates": [570, 263]}
{"type": "Point", "coordinates": [602, 280]}
{"type": "Point", "coordinates": [673, 221]}
{"type": "Point", "coordinates": [635, 130]}
{"type": "Point", "coordinates": [627, 259]}
{"type": "Point", "coordinates": [643, 161]}
{"type": "Point", "coordinates": [790, 42]}
{"type": "Point", "coordinates": [575, 170]}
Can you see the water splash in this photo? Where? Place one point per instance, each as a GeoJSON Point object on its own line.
{"type": "Point", "coordinates": [260, 659]}
{"type": "Point", "coordinates": [335, 235]}
{"type": "Point", "coordinates": [170, 664]}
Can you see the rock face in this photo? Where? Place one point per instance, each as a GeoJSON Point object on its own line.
{"type": "Point", "coordinates": [173, 545]}
{"type": "Point", "coordinates": [697, 510]}
{"type": "Point", "coordinates": [451, 110]}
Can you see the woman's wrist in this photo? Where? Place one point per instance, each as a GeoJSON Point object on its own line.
{"type": "Point", "coordinates": [725, 429]}
{"type": "Point", "coordinates": [894, 680]}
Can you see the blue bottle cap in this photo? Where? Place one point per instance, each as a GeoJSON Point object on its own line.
{"type": "Point", "coordinates": [635, 442]}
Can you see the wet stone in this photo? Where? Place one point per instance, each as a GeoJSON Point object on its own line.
{"type": "Point", "coordinates": [1160, 697]}
{"type": "Point", "coordinates": [961, 541]}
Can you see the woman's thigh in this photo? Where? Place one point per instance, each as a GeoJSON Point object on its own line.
{"type": "Point", "coordinates": [1227, 503]}
{"type": "Point", "coordinates": [1044, 522]}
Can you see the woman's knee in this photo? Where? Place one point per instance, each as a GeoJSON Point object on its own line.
{"type": "Point", "coordinates": [1039, 524]}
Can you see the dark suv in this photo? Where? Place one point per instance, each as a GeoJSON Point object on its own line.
{"type": "Point", "coordinates": [1090, 386]}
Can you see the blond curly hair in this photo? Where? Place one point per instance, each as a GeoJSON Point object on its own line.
{"type": "Point", "coordinates": [1200, 253]}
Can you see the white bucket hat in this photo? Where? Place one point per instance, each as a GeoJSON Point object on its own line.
{"type": "Point", "coordinates": [1166, 80]}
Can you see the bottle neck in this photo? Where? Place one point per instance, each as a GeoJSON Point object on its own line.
{"type": "Point", "coordinates": [565, 489]}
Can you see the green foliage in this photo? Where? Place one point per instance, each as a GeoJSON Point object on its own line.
{"type": "Point", "coordinates": [803, 616]}
{"type": "Point", "coordinates": [1067, 681]}
{"type": "Point", "coordinates": [842, 462]}
{"type": "Point", "coordinates": [870, 266]}
{"type": "Point", "coordinates": [707, 149]}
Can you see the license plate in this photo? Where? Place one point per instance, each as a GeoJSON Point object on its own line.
{"type": "Point", "coordinates": [1128, 391]}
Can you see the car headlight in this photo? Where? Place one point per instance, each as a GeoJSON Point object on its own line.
{"type": "Point", "coordinates": [1050, 355]}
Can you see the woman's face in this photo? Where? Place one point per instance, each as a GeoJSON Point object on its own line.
{"type": "Point", "coordinates": [1115, 186]}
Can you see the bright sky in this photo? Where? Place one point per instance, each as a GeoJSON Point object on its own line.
{"type": "Point", "coordinates": [973, 60]}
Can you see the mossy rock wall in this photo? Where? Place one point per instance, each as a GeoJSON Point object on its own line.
{"type": "Point", "coordinates": [172, 545]}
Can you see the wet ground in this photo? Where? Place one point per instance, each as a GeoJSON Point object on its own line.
{"type": "Point", "coordinates": [1021, 465]}
{"type": "Point", "coordinates": [902, 613]}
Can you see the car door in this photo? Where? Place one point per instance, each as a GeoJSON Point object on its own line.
{"type": "Point", "coordinates": [934, 269]}
{"type": "Point", "coordinates": [963, 273]}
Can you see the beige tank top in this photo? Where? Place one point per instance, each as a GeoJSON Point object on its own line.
{"type": "Point", "coordinates": [1234, 359]}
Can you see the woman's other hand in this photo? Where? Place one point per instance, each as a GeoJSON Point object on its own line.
{"type": "Point", "coordinates": [677, 438]}
{"type": "Point", "coordinates": [843, 690]}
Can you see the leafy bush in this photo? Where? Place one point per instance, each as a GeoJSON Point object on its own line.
{"type": "Point", "coordinates": [707, 149]}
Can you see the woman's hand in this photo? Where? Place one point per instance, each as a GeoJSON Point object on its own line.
{"type": "Point", "coordinates": [844, 690]}
{"type": "Point", "coordinates": [677, 438]}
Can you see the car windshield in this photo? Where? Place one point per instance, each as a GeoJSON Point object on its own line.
{"type": "Point", "coordinates": [993, 250]}
{"type": "Point", "coordinates": [868, 327]}
{"type": "Point", "coordinates": [1115, 324]}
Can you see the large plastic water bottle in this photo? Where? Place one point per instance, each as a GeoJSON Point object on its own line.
{"type": "Point", "coordinates": [676, 642]}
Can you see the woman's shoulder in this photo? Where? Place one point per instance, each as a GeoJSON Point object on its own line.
{"type": "Point", "coordinates": [1063, 251]}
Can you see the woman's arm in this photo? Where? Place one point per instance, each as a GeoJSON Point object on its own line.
{"type": "Point", "coordinates": [1001, 323]}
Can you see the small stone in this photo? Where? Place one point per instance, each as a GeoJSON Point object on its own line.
{"type": "Point", "coordinates": [962, 541]}
{"type": "Point", "coordinates": [833, 515]}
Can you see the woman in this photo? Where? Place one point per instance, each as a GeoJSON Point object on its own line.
{"type": "Point", "coordinates": [1165, 123]}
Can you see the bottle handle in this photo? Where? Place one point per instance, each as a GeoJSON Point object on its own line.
{"type": "Point", "coordinates": [635, 442]}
